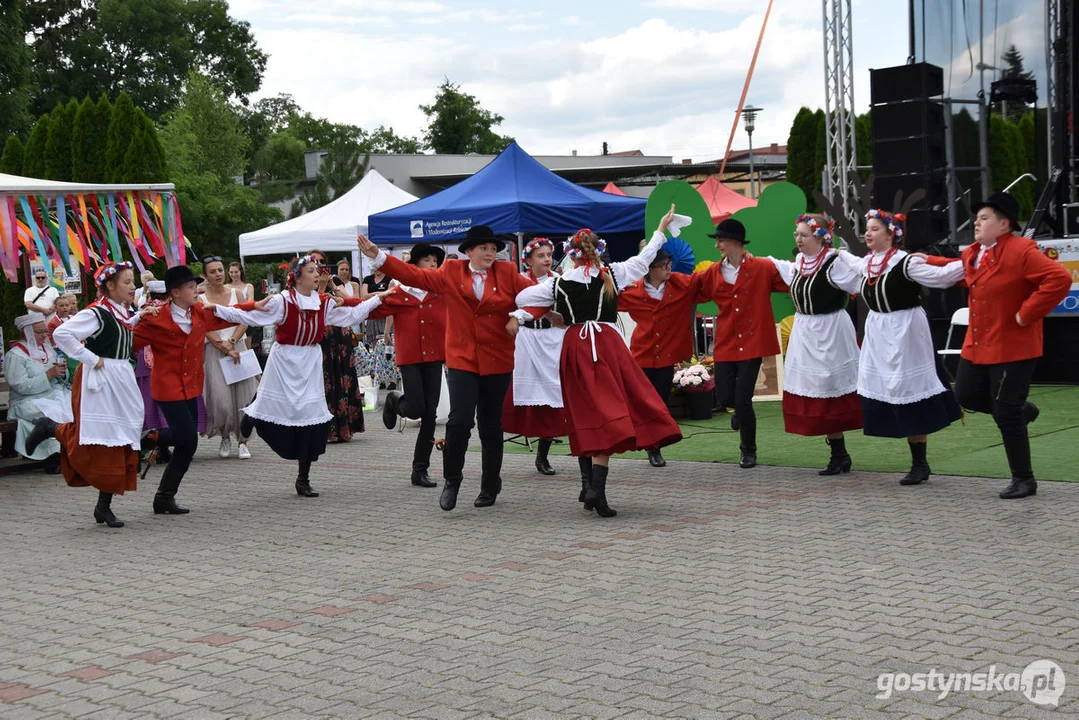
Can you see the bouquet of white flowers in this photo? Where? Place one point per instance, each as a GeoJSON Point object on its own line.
{"type": "Point", "coordinates": [694, 378]}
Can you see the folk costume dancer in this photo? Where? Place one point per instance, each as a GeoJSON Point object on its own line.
{"type": "Point", "coordinates": [479, 295]}
{"type": "Point", "coordinates": [419, 338]}
{"type": "Point", "coordinates": [820, 370]}
{"type": "Point", "coordinates": [37, 377]}
{"type": "Point", "coordinates": [661, 304]}
{"type": "Point", "coordinates": [741, 287]}
{"type": "Point", "coordinates": [611, 406]}
{"type": "Point", "coordinates": [1013, 286]}
{"type": "Point", "coordinates": [290, 411]}
{"type": "Point", "coordinates": [533, 406]}
{"type": "Point", "coordinates": [100, 446]}
{"type": "Point", "coordinates": [177, 337]}
{"type": "Point", "coordinates": [901, 381]}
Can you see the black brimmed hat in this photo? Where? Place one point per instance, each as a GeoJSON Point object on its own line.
{"type": "Point", "coordinates": [422, 250]}
{"type": "Point", "coordinates": [1004, 204]}
{"type": "Point", "coordinates": [661, 257]}
{"type": "Point", "coordinates": [480, 234]}
{"type": "Point", "coordinates": [731, 229]}
{"type": "Point", "coordinates": [178, 276]}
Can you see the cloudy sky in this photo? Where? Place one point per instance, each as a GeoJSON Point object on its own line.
{"type": "Point", "coordinates": [663, 76]}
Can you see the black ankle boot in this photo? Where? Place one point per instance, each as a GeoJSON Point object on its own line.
{"type": "Point", "coordinates": [1019, 489]}
{"type": "Point", "coordinates": [389, 409]}
{"type": "Point", "coordinates": [919, 466]}
{"type": "Point", "coordinates": [448, 499]}
{"type": "Point", "coordinates": [655, 459]}
{"type": "Point", "coordinates": [542, 466]}
{"type": "Point", "coordinates": [44, 428]}
{"type": "Point", "coordinates": [165, 499]}
{"type": "Point", "coordinates": [840, 461]}
{"type": "Point", "coordinates": [1030, 412]}
{"type": "Point", "coordinates": [103, 511]}
{"type": "Point", "coordinates": [596, 497]}
{"type": "Point", "coordinates": [585, 463]}
{"type": "Point", "coordinates": [303, 484]}
{"type": "Point", "coordinates": [420, 478]}
{"type": "Point", "coordinates": [749, 457]}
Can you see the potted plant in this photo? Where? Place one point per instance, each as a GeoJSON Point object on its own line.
{"type": "Point", "coordinates": [697, 385]}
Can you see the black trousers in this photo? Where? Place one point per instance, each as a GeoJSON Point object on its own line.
{"type": "Point", "coordinates": [1001, 390]}
{"type": "Point", "coordinates": [735, 382]}
{"type": "Point", "coordinates": [475, 397]}
{"type": "Point", "coordinates": [661, 379]}
{"type": "Point", "coordinates": [422, 385]}
{"type": "Point", "coordinates": [182, 417]}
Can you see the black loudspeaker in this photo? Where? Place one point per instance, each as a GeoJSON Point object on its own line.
{"type": "Point", "coordinates": [885, 188]}
{"type": "Point", "coordinates": [905, 82]}
{"type": "Point", "coordinates": [907, 119]}
{"type": "Point", "coordinates": [915, 155]}
{"type": "Point", "coordinates": [925, 227]}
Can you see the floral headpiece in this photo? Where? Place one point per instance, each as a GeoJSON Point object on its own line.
{"type": "Point", "coordinates": [534, 245]}
{"type": "Point", "coordinates": [572, 246]}
{"type": "Point", "coordinates": [894, 221]}
{"type": "Point", "coordinates": [290, 280]}
{"type": "Point", "coordinates": [107, 270]}
{"type": "Point", "coordinates": [824, 233]}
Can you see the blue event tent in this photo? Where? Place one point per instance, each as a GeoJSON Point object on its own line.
{"type": "Point", "coordinates": [513, 194]}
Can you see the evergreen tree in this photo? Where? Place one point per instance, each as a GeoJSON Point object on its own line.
{"type": "Point", "coordinates": [142, 163]}
{"type": "Point", "coordinates": [1023, 190]}
{"type": "Point", "coordinates": [84, 142]}
{"type": "Point", "coordinates": [11, 162]}
{"type": "Point", "coordinates": [820, 156]}
{"type": "Point", "coordinates": [33, 164]}
{"type": "Point", "coordinates": [102, 120]}
{"type": "Point", "coordinates": [122, 128]}
{"type": "Point", "coordinates": [17, 87]}
{"type": "Point", "coordinates": [150, 131]}
{"type": "Point", "coordinates": [58, 155]}
{"type": "Point", "coordinates": [802, 151]}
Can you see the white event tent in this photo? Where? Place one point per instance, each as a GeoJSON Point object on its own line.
{"type": "Point", "coordinates": [333, 227]}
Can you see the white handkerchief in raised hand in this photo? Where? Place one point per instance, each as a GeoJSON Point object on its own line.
{"type": "Point", "coordinates": [677, 223]}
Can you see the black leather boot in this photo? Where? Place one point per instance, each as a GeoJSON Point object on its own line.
{"type": "Point", "coordinates": [103, 511]}
{"type": "Point", "coordinates": [491, 481]}
{"type": "Point", "coordinates": [542, 466]}
{"type": "Point", "coordinates": [44, 428]}
{"type": "Point", "coordinates": [165, 499]}
{"type": "Point", "coordinates": [1031, 412]}
{"type": "Point", "coordinates": [420, 478]}
{"type": "Point", "coordinates": [749, 457]}
{"type": "Point", "coordinates": [453, 465]}
{"type": "Point", "coordinates": [1020, 489]}
{"type": "Point", "coordinates": [596, 497]}
{"type": "Point", "coordinates": [655, 459]}
{"type": "Point", "coordinates": [585, 463]}
{"type": "Point", "coordinates": [303, 482]}
{"type": "Point", "coordinates": [840, 461]}
{"type": "Point", "coordinates": [389, 409]}
{"type": "Point", "coordinates": [448, 499]}
{"type": "Point", "coordinates": [919, 466]}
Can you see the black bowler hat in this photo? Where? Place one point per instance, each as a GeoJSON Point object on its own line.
{"type": "Point", "coordinates": [1004, 204]}
{"type": "Point", "coordinates": [732, 229]}
{"type": "Point", "coordinates": [479, 235]}
{"type": "Point", "coordinates": [178, 276]}
{"type": "Point", "coordinates": [661, 257]}
{"type": "Point", "coordinates": [422, 250]}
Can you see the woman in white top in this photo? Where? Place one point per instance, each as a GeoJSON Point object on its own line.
{"type": "Point", "coordinates": [820, 371]}
{"type": "Point", "coordinates": [238, 282]}
{"type": "Point", "coordinates": [224, 402]}
{"type": "Point", "coordinates": [900, 378]}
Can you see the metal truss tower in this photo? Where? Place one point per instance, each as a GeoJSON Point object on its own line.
{"type": "Point", "coordinates": [841, 158]}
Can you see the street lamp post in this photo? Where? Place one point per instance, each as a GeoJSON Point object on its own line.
{"type": "Point", "coordinates": [749, 115]}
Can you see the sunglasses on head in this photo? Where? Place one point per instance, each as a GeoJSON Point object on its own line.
{"type": "Point", "coordinates": [212, 258]}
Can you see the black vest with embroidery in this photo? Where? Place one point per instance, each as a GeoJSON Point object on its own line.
{"type": "Point", "coordinates": [893, 291]}
{"type": "Point", "coordinates": [578, 303]}
{"type": "Point", "coordinates": [112, 339]}
{"type": "Point", "coordinates": [816, 295]}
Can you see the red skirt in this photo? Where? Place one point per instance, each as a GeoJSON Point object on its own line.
{"type": "Point", "coordinates": [108, 469]}
{"type": "Point", "coordinates": [612, 406]}
{"type": "Point", "coordinates": [821, 416]}
{"type": "Point", "coordinates": [533, 421]}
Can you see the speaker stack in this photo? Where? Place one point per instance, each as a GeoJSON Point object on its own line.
{"type": "Point", "coordinates": [908, 147]}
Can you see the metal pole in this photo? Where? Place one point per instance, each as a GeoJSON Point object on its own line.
{"type": "Point", "coordinates": [949, 159]}
{"type": "Point", "coordinates": [983, 109]}
{"type": "Point", "coordinates": [520, 250]}
{"type": "Point", "coordinates": [752, 191]}
{"type": "Point", "coordinates": [911, 49]}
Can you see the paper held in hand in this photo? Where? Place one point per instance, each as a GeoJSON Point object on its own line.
{"type": "Point", "coordinates": [234, 372]}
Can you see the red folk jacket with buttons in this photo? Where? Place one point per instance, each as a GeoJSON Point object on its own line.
{"type": "Point", "coordinates": [476, 337]}
{"type": "Point", "coordinates": [1013, 277]}
{"type": "Point", "coordinates": [419, 326]}
{"type": "Point", "coordinates": [664, 333]}
{"type": "Point", "coordinates": [178, 356]}
{"type": "Point", "coordinates": [745, 325]}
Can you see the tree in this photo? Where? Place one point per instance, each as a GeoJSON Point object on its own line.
{"type": "Point", "coordinates": [385, 140]}
{"type": "Point", "coordinates": [144, 47]}
{"type": "Point", "coordinates": [801, 152]}
{"type": "Point", "coordinates": [33, 164]}
{"type": "Point", "coordinates": [342, 168]}
{"type": "Point", "coordinates": [142, 162]}
{"type": "Point", "coordinates": [1013, 69]}
{"type": "Point", "coordinates": [89, 140]}
{"type": "Point", "coordinates": [122, 126]}
{"type": "Point", "coordinates": [863, 136]}
{"type": "Point", "coordinates": [16, 71]}
{"type": "Point", "coordinates": [203, 134]}
{"type": "Point", "coordinates": [1024, 190]}
{"type": "Point", "coordinates": [457, 124]}
{"type": "Point", "coordinates": [11, 162]}
{"type": "Point", "coordinates": [58, 145]}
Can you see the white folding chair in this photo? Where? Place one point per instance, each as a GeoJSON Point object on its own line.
{"type": "Point", "coordinates": [960, 318]}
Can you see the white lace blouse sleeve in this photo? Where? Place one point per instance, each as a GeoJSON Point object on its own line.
{"type": "Point", "coordinates": [933, 276]}
{"type": "Point", "coordinates": [845, 277]}
{"type": "Point", "coordinates": [341, 316]}
{"type": "Point", "coordinates": [274, 312]}
{"type": "Point", "coordinates": [787, 269]}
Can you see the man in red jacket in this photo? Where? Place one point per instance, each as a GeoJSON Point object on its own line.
{"type": "Point", "coordinates": [419, 337]}
{"type": "Point", "coordinates": [480, 294]}
{"type": "Point", "coordinates": [661, 303]}
{"type": "Point", "coordinates": [177, 335]}
{"type": "Point", "coordinates": [741, 287]}
{"type": "Point", "coordinates": [1012, 287]}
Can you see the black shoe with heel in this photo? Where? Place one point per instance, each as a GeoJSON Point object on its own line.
{"type": "Point", "coordinates": [585, 463]}
{"type": "Point", "coordinates": [543, 467]}
{"type": "Point", "coordinates": [840, 462]}
{"type": "Point", "coordinates": [303, 483]}
{"type": "Point", "coordinates": [596, 497]}
{"type": "Point", "coordinates": [919, 466]}
{"type": "Point", "coordinates": [655, 459]}
{"type": "Point", "coordinates": [165, 499]}
{"type": "Point", "coordinates": [103, 511]}
{"type": "Point", "coordinates": [43, 429]}
{"type": "Point", "coordinates": [420, 478]}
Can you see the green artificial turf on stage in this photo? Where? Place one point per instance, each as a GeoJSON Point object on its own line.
{"type": "Point", "coordinates": [971, 449]}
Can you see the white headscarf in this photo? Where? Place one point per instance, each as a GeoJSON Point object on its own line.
{"type": "Point", "coordinates": [26, 323]}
